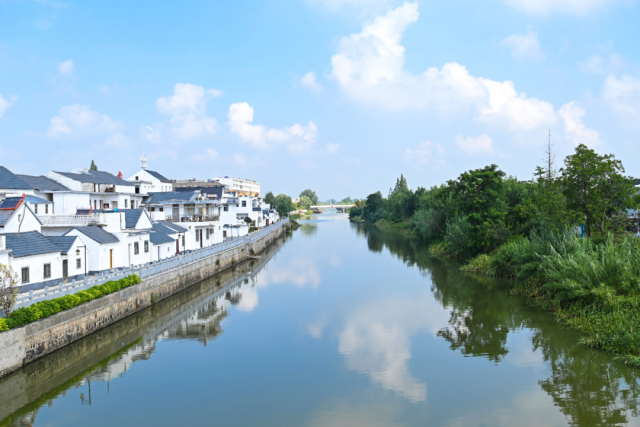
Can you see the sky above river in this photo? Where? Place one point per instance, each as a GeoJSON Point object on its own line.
{"type": "Point", "coordinates": [341, 96]}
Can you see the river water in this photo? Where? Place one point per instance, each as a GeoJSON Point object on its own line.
{"type": "Point", "coordinates": [337, 325]}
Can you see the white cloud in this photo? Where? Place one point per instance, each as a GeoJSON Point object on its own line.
{"type": "Point", "coordinates": [424, 153]}
{"type": "Point", "coordinates": [369, 67]}
{"type": "Point", "coordinates": [332, 148]}
{"type": "Point", "coordinates": [80, 120]}
{"type": "Point", "coordinates": [209, 154]}
{"type": "Point", "coordinates": [361, 8]}
{"type": "Point", "coordinates": [524, 46]}
{"type": "Point", "coordinates": [623, 93]}
{"type": "Point", "coordinates": [6, 103]}
{"type": "Point", "coordinates": [297, 138]}
{"type": "Point", "coordinates": [575, 131]}
{"type": "Point", "coordinates": [598, 64]}
{"type": "Point", "coordinates": [482, 144]}
{"type": "Point", "coordinates": [544, 7]}
{"type": "Point", "coordinates": [65, 68]}
{"type": "Point", "coordinates": [188, 108]}
{"type": "Point", "coordinates": [309, 81]}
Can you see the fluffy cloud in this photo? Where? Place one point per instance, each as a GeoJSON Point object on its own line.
{"type": "Point", "coordinates": [357, 7]}
{"type": "Point", "coordinates": [309, 81]}
{"type": "Point", "coordinates": [575, 131]}
{"type": "Point", "coordinates": [80, 120]}
{"type": "Point", "coordinates": [332, 148]}
{"type": "Point", "coordinates": [188, 108]}
{"type": "Point", "coordinates": [297, 138]}
{"type": "Point", "coordinates": [482, 144]}
{"type": "Point", "coordinates": [65, 68]}
{"type": "Point", "coordinates": [524, 46]}
{"type": "Point", "coordinates": [369, 67]}
{"type": "Point", "coordinates": [424, 153]}
{"type": "Point", "coordinates": [6, 103]}
{"type": "Point", "coordinates": [598, 64]}
{"type": "Point", "coordinates": [544, 7]}
{"type": "Point", "coordinates": [623, 93]}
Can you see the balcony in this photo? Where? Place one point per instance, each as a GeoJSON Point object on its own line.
{"type": "Point", "coordinates": [70, 220]}
{"type": "Point", "coordinates": [193, 218]}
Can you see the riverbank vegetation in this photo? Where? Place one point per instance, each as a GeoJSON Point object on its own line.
{"type": "Point", "coordinates": [565, 238]}
{"type": "Point", "coordinates": [42, 309]}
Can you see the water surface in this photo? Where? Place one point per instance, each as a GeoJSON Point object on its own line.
{"type": "Point", "coordinates": [339, 325]}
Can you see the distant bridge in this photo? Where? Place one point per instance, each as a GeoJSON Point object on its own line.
{"type": "Point", "coordinates": [332, 206]}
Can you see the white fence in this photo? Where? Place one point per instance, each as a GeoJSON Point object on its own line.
{"type": "Point", "coordinates": [70, 220]}
{"type": "Point", "coordinates": [143, 270]}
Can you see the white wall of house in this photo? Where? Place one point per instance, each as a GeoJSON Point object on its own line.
{"type": "Point", "coordinates": [76, 263]}
{"type": "Point", "coordinates": [35, 264]}
{"type": "Point", "coordinates": [98, 255]}
{"type": "Point", "coordinates": [157, 186]}
{"type": "Point", "coordinates": [4, 253]}
{"type": "Point", "coordinates": [67, 203]}
{"type": "Point", "coordinates": [22, 220]}
{"type": "Point", "coordinates": [162, 251]}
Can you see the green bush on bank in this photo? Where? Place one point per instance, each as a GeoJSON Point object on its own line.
{"type": "Point", "coordinates": [42, 309]}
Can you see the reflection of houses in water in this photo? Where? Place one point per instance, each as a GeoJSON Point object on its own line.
{"type": "Point", "coordinates": [200, 321]}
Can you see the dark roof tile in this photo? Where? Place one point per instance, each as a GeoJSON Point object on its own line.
{"type": "Point", "coordinates": [29, 243]}
{"type": "Point", "coordinates": [97, 234]}
{"type": "Point", "coordinates": [9, 180]}
{"type": "Point", "coordinates": [42, 183]}
{"type": "Point", "coordinates": [64, 243]}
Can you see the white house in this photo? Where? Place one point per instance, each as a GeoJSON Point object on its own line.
{"type": "Point", "coordinates": [34, 257]}
{"type": "Point", "coordinates": [151, 182]}
{"type": "Point", "coordinates": [102, 249]}
{"type": "Point", "coordinates": [243, 187]}
{"type": "Point", "coordinates": [16, 216]}
{"type": "Point", "coordinates": [196, 213]}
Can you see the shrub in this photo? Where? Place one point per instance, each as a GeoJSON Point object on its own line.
{"type": "Point", "coordinates": [68, 301]}
{"type": "Point", "coordinates": [457, 236]}
{"type": "Point", "coordinates": [479, 265]}
{"type": "Point", "coordinates": [3, 325]}
{"type": "Point", "coordinates": [47, 308]}
{"type": "Point", "coordinates": [24, 315]}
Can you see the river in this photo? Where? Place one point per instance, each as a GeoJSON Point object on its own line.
{"type": "Point", "coordinates": [339, 324]}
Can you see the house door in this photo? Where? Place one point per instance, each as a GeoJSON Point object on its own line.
{"type": "Point", "coordinates": [175, 213]}
{"type": "Point", "coordinates": [200, 237]}
{"type": "Point", "coordinates": [267, 222]}
{"type": "Point", "coordinates": [177, 246]}
{"type": "Point", "coordinates": [65, 270]}
{"type": "Point", "coordinates": [110, 258]}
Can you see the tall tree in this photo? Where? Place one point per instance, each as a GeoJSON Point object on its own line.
{"type": "Point", "coordinates": [311, 195]}
{"type": "Point", "coordinates": [305, 202]}
{"type": "Point", "coordinates": [93, 166]}
{"type": "Point", "coordinates": [595, 187]}
{"type": "Point", "coordinates": [283, 204]}
{"type": "Point", "coordinates": [270, 199]}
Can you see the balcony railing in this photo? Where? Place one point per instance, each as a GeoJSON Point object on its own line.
{"type": "Point", "coordinates": [193, 218]}
{"type": "Point", "coordinates": [70, 220]}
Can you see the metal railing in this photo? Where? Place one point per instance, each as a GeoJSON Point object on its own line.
{"type": "Point", "coordinates": [144, 271]}
{"type": "Point", "coordinates": [193, 218]}
{"type": "Point", "coordinates": [70, 220]}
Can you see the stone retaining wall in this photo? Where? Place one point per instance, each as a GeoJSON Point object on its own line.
{"type": "Point", "coordinates": [23, 345]}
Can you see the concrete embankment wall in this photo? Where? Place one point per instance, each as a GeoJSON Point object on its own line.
{"type": "Point", "coordinates": [23, 345]}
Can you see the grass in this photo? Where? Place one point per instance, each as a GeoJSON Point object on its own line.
{"type": "Point", "coordinates": [592, 287]}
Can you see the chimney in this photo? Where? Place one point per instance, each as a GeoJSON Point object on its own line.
{"type": "Point", "coordinates": [3, 243]}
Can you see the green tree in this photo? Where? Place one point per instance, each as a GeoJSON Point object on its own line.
{"type": "Point", "coordinates": [479, 194]}
{"type": "Point", "coordinates": [311, 195]}
{"type": "Point", "coordinates": [270, 199]}
{"type": "Point", "coordinates": [93, 166]}
{"type": "Point", "coordinates": [373, 206]}
{"type": "Point", "coordinates": [596, 188]}
{"type": "Point", "coordinates": [305, 202]}
{"type": "Point", "coordinates": [283, 204]}
{"type": "Point", "coordinates": [8, 289]}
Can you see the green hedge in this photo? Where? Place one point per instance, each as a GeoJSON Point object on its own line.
{"type": "Point", "coordinates": [42, 309]}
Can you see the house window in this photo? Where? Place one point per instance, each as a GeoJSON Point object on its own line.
{"type": "Point", "coordinates": [19, 217]}
{"type": "Point", "coordinates": [126, 203]}
{"type": "Point", "coordinates": [46, 209]}
{"type": "Point", "coordinates": [25, 275]}
{"type": "Point", "coordinates": [244, 203]}
{"type": "Point", "coordinates": [47, 271]}
{"type": "Point", "coordinates": [160, 209]}
{"type": "Point", "coordinates": [197, 236]}
{"type": "Point", "coordinates": [137, 179]}
{"type": "Point", "coordinates": [183, 240]}
{"type": "Point", "coordinates": [136, 248]}
{"type": "Point", "coordinates": [35, 208]}
{"type": "Point", "coordinates": [226, 208]}
{"type": "Point", "coordinates": [152, 209]}
{"type": "Point", "coordinates": [224, 233]}
{"type": "Point", "coordinates": [146, 246]}
{"type": "Point", "coordinates": [189, 209]}
{"type": "Point", "coordinates": [78, 264]}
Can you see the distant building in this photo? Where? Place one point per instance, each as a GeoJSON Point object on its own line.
{"type": "Point", "coordinates": [243, 187]}
{"type": "Point", "coordinates": [147, 181]}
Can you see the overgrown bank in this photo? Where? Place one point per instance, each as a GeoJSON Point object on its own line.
{"type": "Point", "coordinates": [565, 238]}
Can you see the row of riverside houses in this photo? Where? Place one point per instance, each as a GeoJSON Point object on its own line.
{"type": "Point", "coordinates": [63, 225]}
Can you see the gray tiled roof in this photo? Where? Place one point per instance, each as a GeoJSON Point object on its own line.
{"type": "Point", "coordinates": [64, 243]}
{"type": "Point", "coordinates": [131, 217]}
{"type": "Point", "coordinates": [169, 225]}
{"type": "Point", "coordinates": [29, 243]}
{"type": "Point", "coordinates": [157, 238]}
{"type": "Point", "coordinates": [10, 181]}
{"type": "Point", "coordinates": [4, 217]}
{"type": "Point", "coordinates": [158, 176]}
{"type": "Point", "coordinates": [170, 196]}
{"type": "Point", "coordinates": [42, 183]}
{"type": "Point", "coordinates": [97, 234]}
{"type": "Point", "coordinates": [83, 177]}
{"type": "Point", "coordinates": [110, 178]}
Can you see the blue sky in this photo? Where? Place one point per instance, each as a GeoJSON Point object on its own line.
{"type": "Point", "coordinates": [337, 95]}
